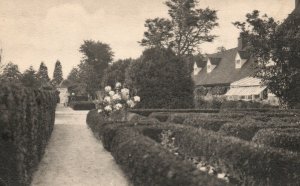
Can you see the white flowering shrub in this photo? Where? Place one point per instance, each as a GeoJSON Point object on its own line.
{"type": "Point", "coordinates": [116, 100]}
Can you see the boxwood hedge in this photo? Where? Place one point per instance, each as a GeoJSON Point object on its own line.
{"type": "Point", "coordinates": [26, 122]}
{"type": "Point", "coordinates": [288, 138]}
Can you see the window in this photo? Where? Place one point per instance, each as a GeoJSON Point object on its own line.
{"type": "Point", "coordinates": [238, 62]}
{"type": "Point", "coordinates": [242, 97]}
{"type": "Point", "coordinates": [256, 96]}
{"type": "Point", "coordinates": [249, 97]}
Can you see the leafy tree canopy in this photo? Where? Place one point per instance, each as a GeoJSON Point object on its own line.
{"type": "Point", "coordinates": [188, 27]}
{"type": "Point", "coordinates": [276, 49]}
{"type": "Point", "coordinates": [116, 72]}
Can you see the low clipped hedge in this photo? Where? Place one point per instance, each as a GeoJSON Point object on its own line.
{"type": "Point", "coordinates": [213, 124]}
{"type": "Point", "coordinates": [247, 162]}
{"type": "Point", "coordinates": [161, 116]}
{"type": "Point", "coordinates": [147, 163]}
{"type": "Point", "coordinates": [288, 138]}
{"type": "Point", "coordinates": [26, 122]}
{"type": "Point", "coordinates": [82, 105]}
{"type": "Point", "coordinates": [147, 112]}
{"type": "Point", "coordinates": [246, 128]}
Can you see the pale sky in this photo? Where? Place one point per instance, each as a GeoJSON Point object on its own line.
{"type": "Point", "coordinates": [32, 31]}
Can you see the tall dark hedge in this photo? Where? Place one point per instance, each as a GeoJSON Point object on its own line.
{"type": "Point", "coordinates": [26, 122]}
{"type": "Point", "coordinates": [161, 79]}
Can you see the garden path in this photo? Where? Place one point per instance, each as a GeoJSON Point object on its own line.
{"type": "Point", "coordinates": [74, 157]}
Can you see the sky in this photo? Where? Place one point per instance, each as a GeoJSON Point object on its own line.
{"type": "Point", "coordinates": [32, 31]}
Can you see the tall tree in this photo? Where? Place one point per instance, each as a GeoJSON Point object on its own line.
{"type": "Point", "coordinates": [42, 74]}
{"type": "Point", "coordinates": [96, 58]}
{"type": "Point", "coordinates": [29, 78]}
{"type": "Point", "coordinates": [116, 72]}
{"type": "Point", "coordinates": [276, 49]}
{"type": "Point", "coordinates": [74, 75]}
{"type": "Point", "coordinates": [57, 74]}
{"type": "Point", "coordinates": [11, 73]}
{"type": "Point", "coordinates": [188, 27]}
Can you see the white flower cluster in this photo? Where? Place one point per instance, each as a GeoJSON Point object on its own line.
{"type": "Point", "coordinates": [116, 100]}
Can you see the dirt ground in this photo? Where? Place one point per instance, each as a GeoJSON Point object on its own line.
{"type": "Point", "coordinates": [74, 157]}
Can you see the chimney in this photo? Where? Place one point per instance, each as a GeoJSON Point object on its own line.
{"type": "Point", "coordinates": [241, 42]}
{"type": "Point", "coordinates": [297, 4]}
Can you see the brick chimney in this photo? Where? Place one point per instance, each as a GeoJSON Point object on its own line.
{"type": "Point", "coordinates": [241, 42]}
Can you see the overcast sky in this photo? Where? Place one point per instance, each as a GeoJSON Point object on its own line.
{"type": "Point", "coordinates": [32, 31]}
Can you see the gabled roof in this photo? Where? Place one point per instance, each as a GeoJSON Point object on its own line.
{"type": "Point", "coordinates": [225, 72]}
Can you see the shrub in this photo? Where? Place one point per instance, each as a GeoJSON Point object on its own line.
{"type": "Point", "coordinates": [247, 162]}
{"type": "Point", "coordinates": [246, 128]}
{"type": "Point", "coordinates": [147, 112]}
{"type": "Point", "coordinates": [82, 105]}
{"type": "Point", "coordinates": [288, 138]}
{"type": "Point", "coordinates": [206, 123]}
{"type": "Point", "coordinates": [147, 163]}
{"type": "Point", "coordinates": [26, 122]}
{"type": "Point", "coordinates": [161, 116]}
{"type": "Point", "coordinates": [161, 79]}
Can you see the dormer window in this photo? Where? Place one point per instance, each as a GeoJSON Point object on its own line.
{"type": "Point", "coordinates": [211, 64]}
{"type": "Point", "coordinates": [196, 69]}
{"type": "Point", "coordinates": [240, 60]}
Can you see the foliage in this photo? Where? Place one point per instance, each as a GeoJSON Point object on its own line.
{"type": "Point", "coordinates": [116, 72]}
{"type": "Point", "coordinates": [162, 79]}
{"type": "Point", "coordinates": [57, 74]}
{"type": "Point", "coordinates": [147, 163]}
{"type": "Point", "coordinates": [11, 73]}
{"type": "Point", "coordinates": [26, 123]}
{"type": "Point", "coordinates": [74, 75]}
{"type": "Point", "coordinates": [30, 79]}
{"type": "Point", "coordinates": [43, 76]}
{"type": "Point", "coordinates": [96, 58]}
{"type": "Point", "coordinates": [276, 49]}
{"type": "Point", "coordinates": [288, 138]}
{"type": "Point", "coordinates": [188, 27]}
{"type": "Point", "coordinates": [247, 162]}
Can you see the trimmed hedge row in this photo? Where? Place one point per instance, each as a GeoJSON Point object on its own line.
{"type": "Point", "coordinates": [247, 162]}
{"type": "Point", "coordinates": [82, 105]}
{"type": "Point", "coordinates": [281, 138]}
{"type": "Point", "coordinates": [250, 163]}
{"type": "Point", "coordinates": [145, 162]}
{"type": "Point", "coordinates": [26, 122]}
{"type": "Point", "coordinates": [147, 112]}
{"type": "Point", "coordinates": [246, 128]}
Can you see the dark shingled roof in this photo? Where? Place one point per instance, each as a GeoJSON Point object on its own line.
{"type": "Point", "coordinates": [225, 72]}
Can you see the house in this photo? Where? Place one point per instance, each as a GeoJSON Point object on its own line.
{"type": "Point", "coordinates": [223, 68]}
{"type": "Point", "coordinates": [233, 70]}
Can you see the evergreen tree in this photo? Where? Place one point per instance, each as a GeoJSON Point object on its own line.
{"type": "Point", "coordinates": [11, 73]}
{"type": "Point", "coordinates": [42, 75]}
{"type": "Point", "coordinates": [57, 74]}
{"type": "Point", "coordinates": [29, 78]}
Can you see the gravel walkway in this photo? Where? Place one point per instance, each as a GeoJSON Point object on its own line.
{"type": "Point", "coordinates": [74, 157]}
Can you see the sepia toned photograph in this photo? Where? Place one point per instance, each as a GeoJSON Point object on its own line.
{"type": "Point", "coordinates": [149, 93]}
